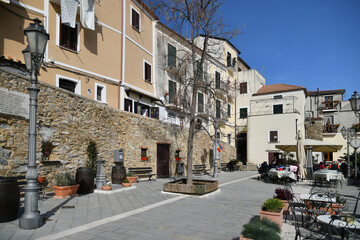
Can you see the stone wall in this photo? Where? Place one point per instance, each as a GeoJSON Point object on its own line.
{"type": "Point", "coordinates": [314, 128]}
{"type": "Point", "coordinates": [66, 122]}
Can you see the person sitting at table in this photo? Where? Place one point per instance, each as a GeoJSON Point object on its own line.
{"type": "Point", "coordinates": [334, 166]}
{"type": "Point", "coordinates": [322, 166]}
{"type": "Point", "coordinates": [272, 164]}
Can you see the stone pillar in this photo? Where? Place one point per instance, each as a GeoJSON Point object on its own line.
{"type": "Point", "coordinates": [100, 173]}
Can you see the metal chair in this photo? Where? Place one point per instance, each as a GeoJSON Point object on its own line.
{"type": "Point", "coordinates": [343, 227]}
{"type": "Point", "coordinates": [318, 203]}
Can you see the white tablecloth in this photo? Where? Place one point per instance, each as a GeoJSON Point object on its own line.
{"type": "Point", "coordinates": [306, 196]}
{"type": "Point", "coordinates": [327, 218]}
{"type": "Point", "coordinates": [280, 174]}
{"type": "Point", "coordinates": [329, 175]}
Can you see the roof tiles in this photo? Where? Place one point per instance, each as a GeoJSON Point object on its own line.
{"type": "Point", "coordinates": [278, 88]}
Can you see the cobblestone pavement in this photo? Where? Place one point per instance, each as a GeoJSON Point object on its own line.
{"type": "Point", "coordinates": [144, 212]}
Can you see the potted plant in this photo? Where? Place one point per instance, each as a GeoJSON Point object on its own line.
{"type": "Point", "coordinates": [131, 177]}
{"type": "Point", "coordinates": [126, 183]}
{"type": "Point", "coordinates": [260, 230]}
{"type": "Point", "coordinates": [285, 196]}
{"type": "Point", "coordinates": [85, 175]}
{"type": "Point", "coordinates": [65, 185]}
{"type": "Point", "coordinates": [273, 210]}
{"type": "Point", "coordinates": [107, 186]}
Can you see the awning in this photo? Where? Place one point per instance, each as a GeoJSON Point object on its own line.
{"type": "Point", "coordinates": [153, 98]}
{"type": "Point", "coordinates": [317, 146]}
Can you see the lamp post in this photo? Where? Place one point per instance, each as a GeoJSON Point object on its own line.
{"type": "Point", "coordinates": [348, 134]}
{"type": "Point", "coordinates": [33, 54]}
{"type": "Point", "coordinates": [355, 106]}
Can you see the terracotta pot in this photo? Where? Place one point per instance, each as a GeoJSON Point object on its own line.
{"type": "Point", "coordinates": [276, 217]}
{"type": "Point", "coordinates": [41, 179]}
{"type": "Point", "coordinates": [65, 191]}
{"type": "Point", "coordinates": [132, 179]}
{"type": "Point", "coordinates": [106, 188]}
{"type": "Point", "coordinates": [286, 205]}
{"type": "Point", "coordinates": [126, 184]}
{"type": "Point", "coordinates": [244, 238]}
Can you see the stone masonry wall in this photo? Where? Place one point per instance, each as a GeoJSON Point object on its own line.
{"type": "Point", "coordinates": [67, 122]}
{"type": "Point", "coordinates": [314, 128]}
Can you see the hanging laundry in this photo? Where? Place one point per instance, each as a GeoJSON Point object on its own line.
{"type": "Point", "coordinates": [87, 14]}
{"type": "Point", "coordinates": [68, 12]}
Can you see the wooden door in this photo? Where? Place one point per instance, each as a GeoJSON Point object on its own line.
{"type": "Point", "coordinates": [163, 157]}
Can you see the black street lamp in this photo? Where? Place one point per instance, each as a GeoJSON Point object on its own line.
{"type": "Point", "coordinates": [33, 54]}
{"type": "Point", "coordinates": [348, 134]}
{"type": "Point", "coordinates": [355, 103]}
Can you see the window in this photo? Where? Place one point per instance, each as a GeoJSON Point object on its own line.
{"type": "Point", "coordinates": [199, 70]}
{"type": "Point", "coordinates": [68, 36]}
{"type": "Point", "coordinates": [142, 109]}
{"type": "Point", "coordinates": [243, 87]}
{"type": "Point", "coordinates": [171, 56]}
{"type": "Point", "coordinates": [273, 136]}
{"type": "Point", "coordinates": [218, 104]}
{"type": "Point", "coordinates": [329, 104]}
{"type": "Point", "coordinates": [229, 138]}
{"type": "Point", "coordinates": [218, 135]}
{"type": "Point", "coordinates": [147, 72]}
{"type": "Point", "coordinates": [135, 19]}
{"type": "Point", "coordinates": [71, 85]}
{"type": "Point", "coordinates": [278, 108]}
{"type": "Point", "coordinates": [128, 105]}
{"type": "Point", "coordinates": [198, 124]}
{"type": "Point", "coordinates": [217, 80]}
{"type": "Point", "coordinates": [228, 59]}
{"type": "Point", "coordinates": [171, 114]}
{"type": "Point", "coordinates": [100, 92]}
{"type": "Point", "coordinates": [243, 113]}
{"type": "Point", "coordinates": [144, 152]}
{"type": "Point", "coordinates": [229, 110]}
{"type": "Point", "coordinates": [278, 97]}
{"type": "Point", "coordinates": [200, 102]}
{"type": "Point", "coordinates": [172, 91]}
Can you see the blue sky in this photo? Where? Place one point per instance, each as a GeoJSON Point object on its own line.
{"type": "Point", "coordinates": [310, 43]}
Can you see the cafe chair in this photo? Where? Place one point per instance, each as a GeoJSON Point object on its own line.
{"type": "Point", "coordinates": [344, 227]}
{"type": "Point", "coordinates": [300, 231]}
{"type": "Point", "coordinates": [318, 203]}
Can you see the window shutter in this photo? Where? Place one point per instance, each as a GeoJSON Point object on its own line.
{"type": "Point", "coordinates": [171, 55]}
{"type": "Point", "coordinates": [172, 91]}
{"type": "Point", "coordinates": [200, 102]}
{"type": "Point", "coordinates": [274, 136]}
{"type": "Point", "coordinates": [217, 80]}
{"type": "Point", "coordinates": [243, 87]}
{"type": "Point", "coordinates": [218, 114]}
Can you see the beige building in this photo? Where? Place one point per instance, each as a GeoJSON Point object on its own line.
{"type": "Point", "coordinates": [276, 112]}
{"type": "Point", "coordinates": [107, 57]}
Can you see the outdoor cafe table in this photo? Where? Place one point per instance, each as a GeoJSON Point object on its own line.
{"type": "Point", "coordinates": [273, 173]}
{"type": "Point", "coordinates": [326, 219]}
{"type": "Point", "coordinates": [328, 175]}
{"type": "Point", "coordinates": [316, 197]}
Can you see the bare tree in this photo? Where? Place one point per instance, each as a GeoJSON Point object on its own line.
{"type": "Point", "coordinates": [198, 21]}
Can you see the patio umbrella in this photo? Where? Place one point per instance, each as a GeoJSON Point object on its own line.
{"type": "Point", "coordinates": [317, 146]}
{"type": "Point", "coordinates": [300, 155]}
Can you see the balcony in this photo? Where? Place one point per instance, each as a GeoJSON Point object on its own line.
{"type": "Point", "coordinates": [331, 128]}
{"type": "Point", "coordinates": [231, 64]}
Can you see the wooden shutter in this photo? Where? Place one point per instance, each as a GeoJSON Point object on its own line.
{"type": "Point", "coordinates": [171, 55]}
{"type": "Point", "coordinates": [243, 87]}
{"type": "Point", "coordinates": [200, 102]}
{"type": "Point", "coordinates": [274, 136]}
{"type": "Point", "coordinates": [217, 80]}
{"type": "Point", "coordinates": [172, 91]}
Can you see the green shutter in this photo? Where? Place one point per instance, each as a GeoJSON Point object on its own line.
{"type": "Point", "coordinates": [171, 55]}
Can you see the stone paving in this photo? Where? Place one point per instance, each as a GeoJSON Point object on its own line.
{"type": "Point", "coordinates": [144, 212]}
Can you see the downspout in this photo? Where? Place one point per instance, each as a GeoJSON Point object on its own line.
{"type": "Point", "coordinates": [122, 66]}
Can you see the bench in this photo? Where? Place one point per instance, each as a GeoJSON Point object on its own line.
{"type": "Point", "coordinates": [199, 169]}
{"type": "Point", "coordinates": [142, 172]}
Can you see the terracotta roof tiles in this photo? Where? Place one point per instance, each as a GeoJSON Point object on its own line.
{"type": "Point", "coordinates": [278, 88]}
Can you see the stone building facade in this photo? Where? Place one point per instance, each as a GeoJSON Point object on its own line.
{"type": "Point", "coordinates": [67, 122]}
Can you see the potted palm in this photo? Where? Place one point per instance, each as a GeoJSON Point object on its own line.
{"type": "Point", "coordinates": [65, 185]}
{"type": "Point", "coordinates": [263, 229]}
{"type": "Point", "coordinates": [273, 210]}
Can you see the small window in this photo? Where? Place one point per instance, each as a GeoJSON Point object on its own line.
{"type": "Point", "coordinates": [243, 113]}
{"type": "Point", "coordinates": [228, 59]}
{"type": "Point", "coordinates": [278, 97]}
{"type": "Point", "coordinates": [200, 102]}
{"type": "Point", "coordinates": [278, 109]}
{"type": "Point", "coordinates": [172, 91]}
{"type": "Point", "coordinates": [229, 110]}
{"type": "Point", "coordinates": [218, 135]}
{"type": "Point", "coordinates": [128, 105]}
{"type": "Point", "coordinates": [142, 109]}
{"type": "Point", "coordinates": [171, 114]}
{"type": "Point", "coordinates": [229, 138]}
{"type": "Point", "coordinates": [100, 92]}
{"type": "Point", "coordinates": [243, 87]}
{"type": "Point", "coordinates": [69, 36]}
{"type": "Point", "coordinates": [135, 19]}
{"type": "Point", "coordinates": [171, 55]}
{"type": "Point", "coordinates": [144, 152]}
{"type": "Point", "coordinates": [218, 107]}
{"type": "Point", "coordinates": [199, 70]}
{"type": "Point", "coordinates": [217, 80]}
{"type": "Point", "coordinates": [67, 85]}
{"type": "Point", "coordinates": [147, 72]}
{"type": "Point", "coordinates": [273, 136]}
